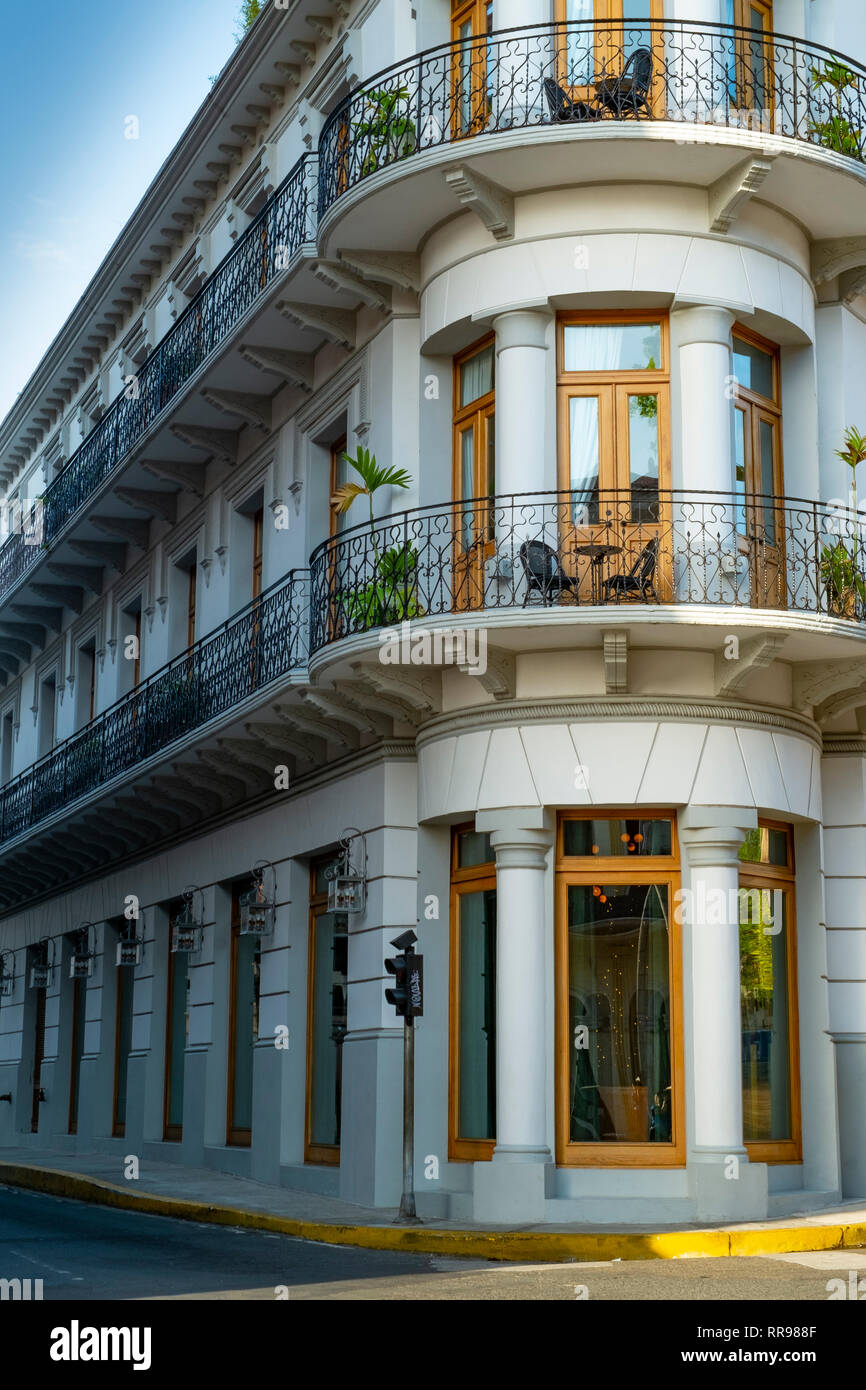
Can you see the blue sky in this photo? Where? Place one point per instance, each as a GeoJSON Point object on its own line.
{"type": "Point", "coordinates": [70, 73]}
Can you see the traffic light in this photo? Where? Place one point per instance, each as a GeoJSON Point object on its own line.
{"type": "Point", "coordinates": [407, 994]}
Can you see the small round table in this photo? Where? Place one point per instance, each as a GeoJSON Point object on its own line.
{"type": "Point", "coordinates": [597, 552]}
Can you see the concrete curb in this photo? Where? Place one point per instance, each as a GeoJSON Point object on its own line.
{"type": "Point", "coordinates": [554, 1246]}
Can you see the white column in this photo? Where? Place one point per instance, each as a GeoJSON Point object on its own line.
{"type": "Point", "coordinates": [712, 837]}
{"type": "Point", "coordinates": [703, 333]}
{"type": "Point", "coordinates": [512, 1186]}
{"type": "Point", "coordinates": [521, 409]}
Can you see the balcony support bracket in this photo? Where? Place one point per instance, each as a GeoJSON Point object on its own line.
{"type": "Point", "coordinates": [754, 655]}
{"type": "Point", "coordinates": [727, 195]}
{"type": "Point", "coordinates": [494, 205]}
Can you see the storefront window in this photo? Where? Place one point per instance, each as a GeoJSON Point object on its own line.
{"type": "Point", "coordinates": [771, 1124]}
{"type": "Point", "coordinates": [618, 991]}
{"type": "Point", "coordinates": [473, 996]}
{"type": "Point", "coordinates": [327, 1021]}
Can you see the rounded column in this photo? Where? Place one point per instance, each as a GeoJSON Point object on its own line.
{"type": "Point", "coordinates": [513, 1185]}
{"type": "Point", "coordinates": [521, 409]}
{"type": "Point", "coordinates": [721, 1182]}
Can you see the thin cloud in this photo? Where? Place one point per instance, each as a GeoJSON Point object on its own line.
{"type": "Point", "coordinates": [43, 252]}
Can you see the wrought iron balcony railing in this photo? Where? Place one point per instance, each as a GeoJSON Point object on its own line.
{"type": "Point", "coordinates": [263, 643]}
{"type": "Point", "coordinates": [265, 249]}
{"type": "Point", "coordinates": [638, 547]}
{"type": "Point", "coordinates": [587, 71]}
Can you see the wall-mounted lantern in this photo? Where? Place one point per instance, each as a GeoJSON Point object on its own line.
{"type": "Point", "coordinates": [83, 952]}
{"type": "Point", "coordinates": [7, 974]}
{"type": "Point", "coordinates": [187, 927]}
{"type": "Point", "coordinates": [258, 906]}
{"type": "Point", "coordinates": [347, 878]}
{"type": "Point", "coordinates": [42, 963]}
{"type": "Point", "coordinates": [129, 946]}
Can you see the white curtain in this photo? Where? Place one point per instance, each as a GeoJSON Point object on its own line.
{"type": "Point", "coordinates": [588, 348]}
{"type": "Point", "coordinates": [581, 43]}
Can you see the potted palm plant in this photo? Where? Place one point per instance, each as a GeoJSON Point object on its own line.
{"type": "Point", "coordinates": [391, 595]}
{"type": "Point", "coordinates": [837, 133]}
{"type": "Point", "coordinates": [840, 567]}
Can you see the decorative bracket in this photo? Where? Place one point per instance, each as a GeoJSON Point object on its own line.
{"type": "Point", "coordinates": [754, 655]}
{"type": "Point", "coordinates": [615, 662]}
{"type": "Point", "coordinates": [727, 195]}
{"type": "Point", "coordinates": [494, 205]}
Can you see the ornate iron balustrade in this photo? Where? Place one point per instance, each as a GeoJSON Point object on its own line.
{"type": "Point", "coordinates": [593, 548]}
{"type": "Point", "coordinates": [715, 74]}
{"type": "Point", "coordinates": [261, 253]}
{"type": "Point", "coordinates": [261, 644]}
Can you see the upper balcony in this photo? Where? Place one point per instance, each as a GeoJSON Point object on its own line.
{"type": "Point", "coordinates": [543, 570]}
{"type": "Point", "coordinates": [686, 103]}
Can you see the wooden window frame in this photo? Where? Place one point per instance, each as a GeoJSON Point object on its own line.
{"type": "Point", "coordinates": [655, 869]}
{"type": "Point", "coordinates": [756, 407]}
{"type": "Point", "coordinates": [337, 450]}
{"type": "Point", "coordinates": [315, 1153]}
{"type": "Point", "coordinates": [772, 876]}
{"type": "Point", "coordinates": [478, 412]}
{"type": "Point", "coordinates": [477, 879]}
{"type": "Point", "coordinates": [191, 604]}
{"type": "Point", "coordinates": [476, 12]}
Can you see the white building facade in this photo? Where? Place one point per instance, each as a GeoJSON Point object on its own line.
{"type": "Point", "coordinates": [584, 693]}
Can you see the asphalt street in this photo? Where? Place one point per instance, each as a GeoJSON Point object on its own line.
{"type": "Point", "coordinates": [84, 1252]}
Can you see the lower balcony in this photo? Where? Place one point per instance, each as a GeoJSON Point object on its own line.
{"type": "Point", "coordinates": [549, 556]}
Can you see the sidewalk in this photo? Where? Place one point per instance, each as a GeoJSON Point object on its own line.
{"type": "Point", "coordinates": [203, 1194]}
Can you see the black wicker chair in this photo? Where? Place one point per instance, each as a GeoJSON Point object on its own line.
{"type": "Point", "coordinates": [561, 106]}
{"type": "Point", "coordinates": [639, 581]}
{"type": "Point", "coordinates": [628, 94]}
{"type": "Point", "coordinates": [543, 571]}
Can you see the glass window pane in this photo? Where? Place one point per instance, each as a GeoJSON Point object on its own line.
{"type": "Point", "coordinates": [764, 1009]}
{"type": "Point", "coordinates": [765, 845]}
{"type": "Point", "coordinates": [630, 838]}
{"type": "Point", "coordinates": [322, 869]}
{"type": "Point", "coordinates": [247, 958]}
{"type": "Point", "coordinates": [476, 376]}
{"type": "Point", "coordinates": [643, 452]}
{"type": "Point", "coordinates": [125, 987]}
{"type": "Point", "coordinates": [476, 1063]}
{"type": "Point", "coordinates": [768, 481]}
{"type": "Point", "coordinates": [328, 1025]}
{"type": "Point", "coordinates": [614, 347]}
{"type": "Point", "coordinates": [738, 426]}
{"type": "Point", "coordinates": [178, 1029]}
{"type": "Point", "coordinates": [619, 1014]}
{"type": "Point", "coordinates": [473, 849]}
{"type": "Point", "coordinates": [584, 458]}
{"type": "Point", "coordinates": [753, 368]}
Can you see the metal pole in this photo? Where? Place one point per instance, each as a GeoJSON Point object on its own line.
{"type": "Point", "coordinates": [407, 1201]}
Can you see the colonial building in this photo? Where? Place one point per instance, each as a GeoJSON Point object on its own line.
{"type": "Point", "coordinates": [577, 689]}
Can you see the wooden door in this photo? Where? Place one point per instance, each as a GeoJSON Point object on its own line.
{"type": "Point", "coordinates": [471, 23]}
{"type": "Point", "coordinates": [474, 486]}
{"type": "Point", "coordinates": [599, 40]}
{"type": "Point", "coordinates": [753, 62]}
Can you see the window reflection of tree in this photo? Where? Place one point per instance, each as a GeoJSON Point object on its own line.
{"type": "Point", "coordinates": [590, 1118]}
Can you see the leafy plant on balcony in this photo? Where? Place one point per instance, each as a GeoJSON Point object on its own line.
{"type": "Point", "coordinates": [391, 596]}
{"type": "Point", "coordinates": [387, 127]}
{"type": "Point", "coordinates": [840, 568]}
{"type": "Point", "coordinates": [837, 133]}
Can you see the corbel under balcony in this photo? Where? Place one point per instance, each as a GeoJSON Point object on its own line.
{"type": "Point", "coordinates": [336, 324]}
{"type": "Point", "coordinates": [221, 444]}
{"type": "Point", "coordinates": [615, 656]}
{"type": "Point", "coordinates": [491, 203]}
{"type": "Point", "coordinates": [296, 368]}
{"type": "Point", "coordinates": [843, 258]}
{"type": "Point", "coordinates": [830, 689]}
{"type": "Point", "coordinates": [190, 477]}
{"type": "Point", "coordinates": [340, 277]}
{"type": "Point", "coordinates": [161, 504]}
{"type": "Point", "coordinates": [256, 410]}
{"type": "Point", "coordinates": [756, 654]}
{"type": "Point", "coordinates": [399, 268]}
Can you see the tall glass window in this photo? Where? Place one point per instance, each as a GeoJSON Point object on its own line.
{"type": "Point", "coordinates": [473, 996]}
{"type": "Point", "coordinates": [176, 1039]}
{"type": "Point", "coordinates": [619, 1032]}
{"type": "Point", "coordinates": [246, 956]}
{"type": "Point", "coordinates": [768, 998]}
{"type": "Point", "coordinates": [327, 1020]}
{"type": "Point", "coordinates": [123, 1045]}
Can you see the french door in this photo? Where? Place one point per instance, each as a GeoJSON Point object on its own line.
{"type": "Point", "coordinates": [614, 445]}
{"type": "Point", "coordinates": [752, 80]}
{"type": "Point", "coordinates": [471, 24]}
{"type": "Point", "coordinates": [601, 38]}
{"type": "Point", "coordinates": [474, 488]}
{"type": "Point", "coordinates": [757, 457]}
